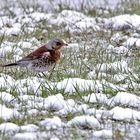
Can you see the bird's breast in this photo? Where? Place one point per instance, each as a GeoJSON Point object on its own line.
{"type": "Point", "coordinates": [54, 56]}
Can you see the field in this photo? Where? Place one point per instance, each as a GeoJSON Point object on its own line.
{"type": "Point", "coordinates": [93, 93]}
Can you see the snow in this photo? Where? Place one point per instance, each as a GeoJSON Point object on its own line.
{"type": "Point", "coordinates": [33, 112]}
{"type": "Point", "coordinates": [54, 138]}
{"type": "Point", "coordinates": [124, 22]}
{"type": "Point", "coordinates": [77, 4]}
{"type": "Point", "coordinates": [69, 107]}
{"type": "Point", "coordinates": [30, 84]}
{"type": "Point", "coordinates": [6, 97]}
{"type": "Point", "coordinates": [8, 47]}
{"type": "Point", "coordinates": [115, 67]}
{"type": "Point", "coordinates": [52, 123]}
{"type": "Point", "coordinates": [37, 16]}
{"type": "Point", "coordinates": [71, 84]}
{"type": "Point", "coordinates": [8, 113]}
{"type": "Point", "coordinates": [132, 42]}
{"type": "Point", "coordinates": [98, 113]}
{"type": "Point", "coordinates": [75, 22]}
{"type": "Point", "coordinates": [9, 128]}
{"type": "Point", "coordinates": [29, 128]}
{"type": "Point", "coordinates": [23, 44]}
{"type": "Point", "coordinates": [125, 98]}
{"type": "Point", "coordinates": [4, 20]}
{"type": "Point", "coordinates": [96, 98]}
{"type": "Point", "coordinates": [120, 50]}
{"type": "Point", "coordinates": [54, 102]}
{"type": "Point", "coordinates": [84, 122]}
{"type": "Point", "coordinates": [25, 136]}
{"type": "Point", "coordinates": [105, 134]}
{"type": "Point", "coordinates": [124, 114]}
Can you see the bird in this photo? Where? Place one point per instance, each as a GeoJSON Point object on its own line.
{"type": "Point", "coordinates": [42, 59]}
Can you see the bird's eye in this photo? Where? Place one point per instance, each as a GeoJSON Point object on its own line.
{"type": "Point", "coordinates": [58, 43]}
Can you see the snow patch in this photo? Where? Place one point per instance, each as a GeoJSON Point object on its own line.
{"type": "Point", "coordinates": [96, 98]}
{"type": "Point", "coordinates": [25, 136]}
{"type": "Point", "coordinates": [8, 113]}
{"type": "Point", "coordinates": [29, 128]}
{"type": "Point", "coordinates": [124, 114]}
{"type": "Point", "coordinates": [84, 122]}
{"type": "Point", "coordinates": [124, 22]}
{"type": "Point", "coordinates": [105, 134]}
{"type": "Point", "coordinates": [52, 123]}
{"type": "Point", "coordinates": [9, 128]}
{"type": "Point", "coordinates": [125, 98]}
{"type": "Point", "coordinates": [75, 22]}
{"type": "Point", "coordinates": [6, 97]}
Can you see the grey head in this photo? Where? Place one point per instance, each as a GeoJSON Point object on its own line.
{"type": "Point", "coordinates": [56, 44]}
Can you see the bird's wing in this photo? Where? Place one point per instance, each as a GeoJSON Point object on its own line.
{"type": "Point", "coordinates": [42, 51]}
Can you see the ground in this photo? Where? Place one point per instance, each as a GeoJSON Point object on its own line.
{"type": "Point", "coordinates": [93, 93]}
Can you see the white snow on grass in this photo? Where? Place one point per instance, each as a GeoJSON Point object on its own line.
{"type": "Point", "coordinates": [77, 4]}
{"type": "Point", "coordinates": [51, 123]}
{"type": "Point", "coordinates": [124, 22]}
{"type": "Point", "coordinates": [9, 47]}
{"type": "Point", "coordinates": [115, 67]}
{"type": "Point", "coordinates": [29, 128]}
{"type": "Point", "coordinates": [100, 114]}
{"type": "Point", "coordinates": [96, 98]}
{"type": "Point", "coordinates": [24, 44]}
{"type": "Point", "coordinates": [25, 136]}
{"type": "Point", "coordinates": [75, 22]}
{"type": "Point", "coordinates": [54, 102]}
{"type": "Point", "coordinates": [132, 42]}
{"type": "Point", "coordinates": [124, 114]}
{"type": "Point", "coordinates": [120, 50]}
{"type": "Point", "coordinates": [126, 99]}
{"type": "Point", "coordinates": [9, 128]}
{"type": "Point", "coordinates": [70, 106]}
{"type": "Point", "coordinates": [31, 84]}
{"type": "Point", "coordinates": [70, 85]}
{"type": "Point", "coordinates": [37, 16]}
{"type": "Point", "coordinates": [105, 134]}
{"type": "Point", "coordinates": [84, 122]}
{"type": "Point", "coordinates": [8, 113]}
{"type": "Point", "coordinates": [6, 97]}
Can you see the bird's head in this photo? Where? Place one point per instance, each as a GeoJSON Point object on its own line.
{"type": "Point", "coordinates": [56, 44]}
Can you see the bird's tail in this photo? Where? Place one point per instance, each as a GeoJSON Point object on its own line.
{"type": "Point", "coordinates": [8, 65]}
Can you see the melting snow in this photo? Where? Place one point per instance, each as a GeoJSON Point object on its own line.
{"type": "Point", "coordinates": [96, 98]}
{"type": "Point", "coordinates": [124, 22]}
{"type": "Point", "coordinates": [8, 113]}
{"type": "Point", "coordinates": [75, 22]}
{"type": "Point", "coordinates": [52, 123]}
{"type": "Point", "coordinates": [124, 98]}
{"type": "Point", "coordinates": [105, 134]}
{"type": "Point", "coordinates": [9, 128]}
{"type": "Point", "coordinates": [124, 114]}
{"type": "Point", "coordinates": [6, 97]}
{"type": "Point", "coordinates": [25, 136]}
{"type": "Point", "coordinates": [29, 128]}
{"type": "Point", "coordinates": [84, 122]}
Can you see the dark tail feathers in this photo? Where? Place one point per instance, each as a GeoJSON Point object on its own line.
{"type": "Point", "coordinates": [12, 64]}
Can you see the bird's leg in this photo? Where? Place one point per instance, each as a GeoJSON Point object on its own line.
{"type": "Point", "coordinates": [44, 74]}
{"type": "Point", "coordinates": [51, 72]}
{"type": "Point", "coordinates": [39, 75]}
